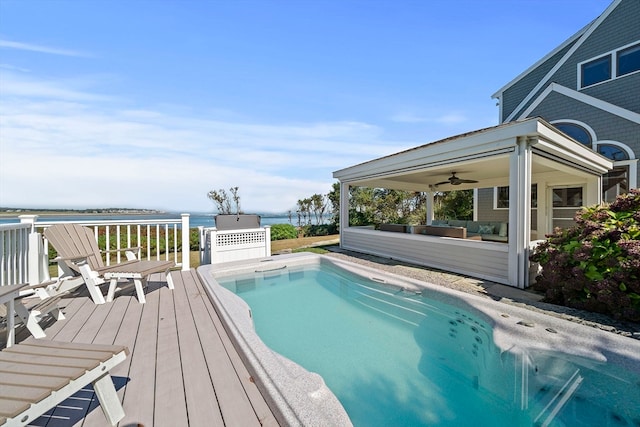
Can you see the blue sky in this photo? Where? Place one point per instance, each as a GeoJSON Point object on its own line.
{"type": "Point", "coordinates": [152, 103]}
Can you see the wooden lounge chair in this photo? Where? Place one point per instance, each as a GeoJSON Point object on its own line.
{"type": "Point", "coordinates": [79, 255]}
{"type": "Point", "coordinates": [33, 304]}
{"type": "Point", "coordinates": [35, 376]}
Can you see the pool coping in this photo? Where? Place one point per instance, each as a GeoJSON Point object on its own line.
{"type": "Point", "coordinates": [300, 397]}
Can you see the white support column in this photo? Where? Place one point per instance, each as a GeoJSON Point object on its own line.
{"type": "Point", "coordinates": [344, 209]}
{"type": "Point", "coordinates": [543, 218]}
{"type": "Point", "coordinates": [186, 250]}
{"type": "Point", "coordinates": [519, 213]}
{"type": "Point", "coordinates": [429, 207]}
{"type": "Point", "coordinates": [593, 191]}
{"type": "Point", "coordinates": [475, 204]}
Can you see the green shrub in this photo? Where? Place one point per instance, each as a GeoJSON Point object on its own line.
{"type": "Point", "coordinates": [283, 231]}
{"type": "Point", "coordinates": [595, 265]}
{"type": "Point", "coordinates": [319, 230]}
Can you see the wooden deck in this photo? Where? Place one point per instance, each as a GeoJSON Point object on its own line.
{"type": "Point", "coordinates": [183, 369]}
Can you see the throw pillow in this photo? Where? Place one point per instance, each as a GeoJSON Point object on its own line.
{"type": "Point", "coordinates": [504, 229]}
{"type": "Point", "coordinates": [485, 229]}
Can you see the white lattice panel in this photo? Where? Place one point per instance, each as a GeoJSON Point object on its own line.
{"type": "Point", "coordinates": [237, 239]}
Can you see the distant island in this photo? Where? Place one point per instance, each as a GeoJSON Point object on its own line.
{"type": "Point", "coordinates": [95, 211]}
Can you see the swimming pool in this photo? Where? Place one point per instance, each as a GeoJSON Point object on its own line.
{"type": "Point", "coordinates": [400, 352]}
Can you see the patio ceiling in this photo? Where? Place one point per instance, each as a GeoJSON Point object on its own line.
{"type": "Point", "coordinates": [484, 156]}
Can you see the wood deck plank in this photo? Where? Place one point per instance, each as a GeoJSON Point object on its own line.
{"type": "Point", "coordinates": [233, 400]}
{"type": "Point", "coordinates": [169, 370]}
{"type": "Point", "coordinates": [180, 358]}
{"type": "Point", "coordinates": [120, 327]}
{"type": "Point", "coordinates": [201, 399]}
{"type": "Point", "coordinates": [139, 403]}
{"type": "Point", "coordinates": [261, 408]}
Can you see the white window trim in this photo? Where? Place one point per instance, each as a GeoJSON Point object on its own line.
{"type": "Point", "coordinates": [583, 125]}
{"type": "Point", "coordinates": [495, 199]}
{"type": "Point", "coordinates": [582, 187]}
{"type": "Point", "coordinates": [613, 54]}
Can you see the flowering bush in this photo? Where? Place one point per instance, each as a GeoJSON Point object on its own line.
{"type": "Point", "coordinates": [595, 265]}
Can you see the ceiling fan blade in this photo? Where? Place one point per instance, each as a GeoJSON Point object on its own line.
{"type": "Point", "coordinates": [443, 182]}
{"type": "Point", "coordinates": [466, 181]}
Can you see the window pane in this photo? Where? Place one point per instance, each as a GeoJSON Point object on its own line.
{"type": "Point", "coordinates": [629, 60]}
{"type": "Point", "coordinates": [596, 71]}
{"type": "Point", "coordinates": [567, 197]}
{"type": "Point", "coordinates": [503, 197]}
{"type": "Point", "coordinates": [576, 132]}
{"type": "Point", "coordinates": [615, 183]}
{"type": "Point", "coordinates": [612, 152]}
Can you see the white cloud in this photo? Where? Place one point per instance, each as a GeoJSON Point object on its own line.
{"type": "Point", "coordinates": [8, 44]}
{"type": "Point", "coordinates": [65, 147]}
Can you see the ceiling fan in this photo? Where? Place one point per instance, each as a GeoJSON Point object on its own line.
{"type": "Point", "coordinates": [454, 180]}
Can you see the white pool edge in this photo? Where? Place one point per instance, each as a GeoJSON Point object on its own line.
{"type": "Point", "coordinates": [301, 398]}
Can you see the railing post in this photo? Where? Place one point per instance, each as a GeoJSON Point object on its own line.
{"type": "Point", "coordinates": [186, 250]}
{"type": "Point", "coordinates": [267, 237]}
{"type": "Point", "coordinates": [36, 273]}
{"type": "Point", "coordinates": [29, 219]}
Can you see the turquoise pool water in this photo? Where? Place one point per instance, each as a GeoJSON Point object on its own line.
{"type": "Point", "coordinates": [396, 358]}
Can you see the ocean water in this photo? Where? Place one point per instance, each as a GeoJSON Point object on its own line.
{"type": "Point", "coordinates": [195, 220]}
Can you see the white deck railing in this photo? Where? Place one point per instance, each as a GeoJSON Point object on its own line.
{"type": "Point", "coordinates": [218, 246]}
{"type": "Point", "coordinates": [14, 253]}
{"type": "Point", "coordinates": [24, 253]}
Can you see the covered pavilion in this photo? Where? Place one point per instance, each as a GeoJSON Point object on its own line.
{"type": "Point", "coordinates": [517, 155]}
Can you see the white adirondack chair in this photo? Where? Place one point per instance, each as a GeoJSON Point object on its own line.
{"type": "Point", "coordinates": [81, 261]}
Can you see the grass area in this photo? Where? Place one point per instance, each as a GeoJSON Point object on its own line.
{"type": "Point", "coordinates": [303, 242]}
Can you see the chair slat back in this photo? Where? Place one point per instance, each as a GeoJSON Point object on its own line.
{"type": "Point", "coordinates": [71, 240]}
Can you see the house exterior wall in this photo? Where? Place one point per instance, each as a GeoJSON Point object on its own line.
{"type": "Point", "coordinates": [486, 211]}
{"type": "Point", "coordinates": [607, 126]}
{"type": "Point", "coordinates": [516, 93]}
{"type": "Point", "coordinates": [619, 29]}
{"type": "Point", "coordinates": [616, 28]}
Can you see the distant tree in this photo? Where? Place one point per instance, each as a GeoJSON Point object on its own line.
{"type": "Point", "coordinates": [456, 204]}
{"type": "Point", "coordinates": [334, 199]}
{"type": "Point", "coordinates": [319, 206]}
{"type": "Point", "coordinates": [223, 200]}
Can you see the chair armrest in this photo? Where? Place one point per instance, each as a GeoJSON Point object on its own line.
{"type": "Point", "coordinates": [132, 249]}
{"type": "Point", "coordinates": [72, 258]}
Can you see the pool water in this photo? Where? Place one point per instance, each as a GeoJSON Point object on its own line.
{"type": "Point", "coordinates": [397, 358]}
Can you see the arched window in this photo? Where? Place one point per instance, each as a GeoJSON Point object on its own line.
{"type": "Point", "coordinates": [576, 132]}
{"type": "Point", "coordinates": [613, 152]}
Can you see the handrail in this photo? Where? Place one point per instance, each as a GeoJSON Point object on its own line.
{"type": "Point", "coordinates": [24, 253]}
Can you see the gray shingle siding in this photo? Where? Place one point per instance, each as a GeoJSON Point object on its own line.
{"type": "Point", "coordinates": [607, 126]}
{"type": "Point", "coordinates": [620, 28]}
{"type": "Point", "coordinates": [486, 212]}
{"type": "Point", "coordinates": [623, 92]}
{"type": "Point", "coordinates": [516, 93]}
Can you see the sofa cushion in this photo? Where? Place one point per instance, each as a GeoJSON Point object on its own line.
{"type": "Point", "coordinates": [457, 223]}
{"type": "Point", "coordinates": [504, 229]}
{"type": "Point", "coordinates": [485, 229]}
{"type": "Point", "coordinates": [473, 226]}
{"type": "Point", "coordinates": [439, 222]}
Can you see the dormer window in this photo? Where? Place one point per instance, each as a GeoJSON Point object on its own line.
{"type": "Point", "coordinates": [612, 65]}
{"type": "Point", "coordinates": [629, 60]}
{"type": "Point", "coordinates": [596, 71]}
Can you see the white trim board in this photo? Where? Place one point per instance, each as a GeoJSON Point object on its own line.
{"type": "Point", "coordinates": [595, 24]}
{"type": "Point", "coordinates": [584, 98]}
